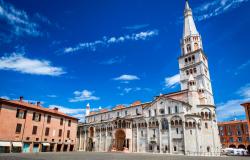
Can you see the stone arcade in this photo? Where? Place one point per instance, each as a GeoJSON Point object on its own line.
{"type": "Point", "coordinates": [182, 122]}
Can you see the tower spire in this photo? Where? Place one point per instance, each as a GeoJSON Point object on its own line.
{"type": "Point", "coordinates": [189, 25]}
{"type": "Point", "coordinates": [187, 5]}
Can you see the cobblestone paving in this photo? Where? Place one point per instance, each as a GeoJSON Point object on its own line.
{"type": "Point", "coordinates": [107, 156]}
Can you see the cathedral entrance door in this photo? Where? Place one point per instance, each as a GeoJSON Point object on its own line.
{"type": "Point", "coordinates": [120, 137]}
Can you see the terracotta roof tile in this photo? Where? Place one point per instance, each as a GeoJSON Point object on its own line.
{"type": "Point", "coordinates": [35, 107]}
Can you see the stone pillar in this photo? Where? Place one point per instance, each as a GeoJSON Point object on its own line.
{"type": "Point", "coordinates": [100, 140]}
{"type": "Point", "coordinates": [170, 137]}
{"type": "Point", "coordinates": [106, 139]}
{"type": "Point", "coordinates": [80, 139]}
{"type": "Point", "coordinates": [148, 138]}
{"type": "Point", "coordinates": [85, 140]}
{"type": "Point", "coordinates": [184, 136]}
{"type": "Point", "coordinates": [197, 139]}
{"type": "Point", "coordinates": [212, 125]}
{"type": "Point", "coordinates": [94, 140]}
{"type": "Point", "coordinates": [160, 142]}
{"type": "Point", "coordinates": [137, 138]}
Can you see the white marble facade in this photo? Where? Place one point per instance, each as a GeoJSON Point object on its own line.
{"type": "Point", "coordinates": [182, 122]}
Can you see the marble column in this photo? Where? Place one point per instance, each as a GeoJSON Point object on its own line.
{"type": "Point", "coordinates": [85, 140]}
{"type": "Point", "coordinates": [94, 139]}
{"type": "Point", "coordinates": [184, 136]}
{"type": "Point", "coordinates": [137, 138]}
{"type": "Point", "coordinates": [80, 139]}
{"type": "Point", "coordinates": [148, 138]}
{"type": "Point", "coordinates": [197, 139]}
{"type": "Point", "coordinates": [170, 138]}
{"type": "Point", "coordinates": [160, 142]}
{"type": "Point", "coordinates": [100, 140]}
{"type": "Point", "coordinates": [106, 140]}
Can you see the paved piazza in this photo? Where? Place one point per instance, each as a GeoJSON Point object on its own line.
{"type": "Point", "coordinates": [106, 156]}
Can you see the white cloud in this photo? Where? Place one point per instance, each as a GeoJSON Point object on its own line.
{"type": "Point", "coordinates": [136, 27]}
{"type": "Point", "coordinates": [75, 112]}
{"type": "Point", "coordinates": [84, 95]}
{"type": "Point", "coordinates": [171, 82]}
{"type": "Point", "coordinates": [105, 42]}
{"type": "Point", "coordinates": [18, 20]}
{"type": "Point", "coordinates": [232, 108]}
{"type": "Point", "coordinates": [127, 90]}
{"type": "Point", "coordinates": [5, 97]}
{"type": "Point", "coordinates": [245, 91]}
{"type": "Point", "coordinates": [52, 96]}
{"type": "Point", "coordinates": [115, 60]}
{"type": "Point", "coordinates": [126, 77]}
{"type": "Point", "coordinates": [67, 110]}
{"type": "Point", "coordinates": [17, 62]}
{"type": "Point", "coordinates": [215, 8]}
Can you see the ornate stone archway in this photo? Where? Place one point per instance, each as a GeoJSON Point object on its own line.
{"type": "Point", "coordinates": [120, 138]}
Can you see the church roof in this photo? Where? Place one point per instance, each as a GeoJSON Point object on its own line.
{"type": "Point", "coordinates": [189, 25]}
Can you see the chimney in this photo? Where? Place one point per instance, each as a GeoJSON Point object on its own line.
{"type": "Point", "coordinates": [55, 109]}
{"type": "Point", "coordinates": [21, 99]}
{"type": "Point", "coordinates": [38, 103]}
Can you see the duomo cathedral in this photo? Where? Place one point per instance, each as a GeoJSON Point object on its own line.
{"type": "Point", "coordinates": [182, 122]}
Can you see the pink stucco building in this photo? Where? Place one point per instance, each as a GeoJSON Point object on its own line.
{"type": "Point", "coordinates": [27, 127]}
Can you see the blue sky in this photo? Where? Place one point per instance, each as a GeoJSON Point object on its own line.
{"type": "Point", "coordinates": [68, 54]}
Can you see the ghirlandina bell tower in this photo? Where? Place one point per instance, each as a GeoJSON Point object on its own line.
{"type": "Point", "coordinates": [193, 63]}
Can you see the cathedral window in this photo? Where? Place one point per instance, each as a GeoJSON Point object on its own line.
{"type": "Point", "coordinates": [196, 47]}
{"type": "Point", "coordinates": [177, 130]}
{"type": "Point", "coordinates": [142, 133]}
{"type": "Point", "coordinates": [149, 113]}
{"type": "Point", "coordinates": [162, 111]}
{"type": "Point", "coordinates": [155, 112]}
{"type": "Point", "coordinates": [188, 48]}
{"type": "Point", "coordinates": [206, 125]}
{"type": "Point", "coordinates": [154, 133]}
{"type": "Point", "coordinates": [166, 148]}
{"type": "Point", "coordinates": [191, 132]}
{"type": "Point", "coordinates": [186, 60]}
{"type": "Point", "coordinates": [150, 147]}
{"type": "Point", "coordinates": [176, 109]}
{"type": "Point", "coordinates": [169, 110]}
{"type": "Point", "coordinates": [191, 71]}
{"type": "Point", "coordinates": [189, 59]}
{"type": "Point", "coordinates": [187, 72]}
{"type": "Point", "coordinates": [208, 149]}
{"type": "Point", "coordinates": [190, 124]}
{"type": "Point", "coordinates": [176, 122]}
{"type": "Point", "coordinates": [164, 124]}
{"type": "Point", "coordinates": [193, 58]}
{"type": "Point", "coordinates": [195, 71]}
{"type": "Point", "coordinates": [137, 111]}
{"type": "Point", "coordinates": [175, 148]}
{"type": "Point", "coordinates": [172, 123]}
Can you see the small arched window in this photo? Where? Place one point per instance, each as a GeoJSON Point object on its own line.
{"type": "Point", "coordinates": [208, 149]}
{"type": "Point", "coordinates": [169, 110]}
{"type": "Point", "coordinates": [175, 148]}
{"type": "Point", "coordinates": [176, 109]}
{"type": "Point", "coordinates": [206, 126]}
{"type": "Point", "coordinates": [196, 46]}
{"type": "Point", "coordinates": [188, 48]}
